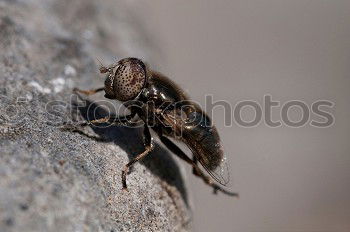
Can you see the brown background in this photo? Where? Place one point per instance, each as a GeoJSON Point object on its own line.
{"type": "Point", "coordinates": [289, 179]}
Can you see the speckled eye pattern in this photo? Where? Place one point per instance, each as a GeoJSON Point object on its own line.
{"type": "Point", "coordinates": [130, 78]}
{"type": "Point", "coordinates": [109, 86]}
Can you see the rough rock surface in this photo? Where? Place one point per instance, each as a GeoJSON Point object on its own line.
{"type": "Point", "coordinates": [54, 180]}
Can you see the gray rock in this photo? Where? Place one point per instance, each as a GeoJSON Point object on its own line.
{"type": "Point", "coordinates": [54, 180]}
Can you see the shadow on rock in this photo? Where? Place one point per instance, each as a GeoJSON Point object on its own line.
{"type": "Point", "coordinates": [159, 162]}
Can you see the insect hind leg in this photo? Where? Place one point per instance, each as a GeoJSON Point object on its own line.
{"type": "Point", "coordinates": [196, 170]}
{"type": "Point", "coordinates": [195, 161]}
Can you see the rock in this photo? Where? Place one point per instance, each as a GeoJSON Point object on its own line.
{"type": "Point", "coordinates": [55, 180]}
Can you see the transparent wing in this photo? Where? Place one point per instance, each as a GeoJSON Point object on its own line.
{"type": "Point", "coordinates": [204, 141]}
{"type": "Point", "coordinates": [220, 172]}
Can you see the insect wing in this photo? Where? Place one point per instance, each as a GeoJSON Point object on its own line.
{"type": "Point", "coordinates": [203, 139]}
{"type": "Point", "coordinates": [220, 173]}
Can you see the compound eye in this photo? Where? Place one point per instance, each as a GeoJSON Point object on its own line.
{"type": "Point", "coordinates": [130, 79]}
{"type": "Point", "coordinates": [109, 88]}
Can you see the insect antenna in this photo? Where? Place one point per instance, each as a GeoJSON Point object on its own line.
{"type": "Point", "coordinates": [103, 69]}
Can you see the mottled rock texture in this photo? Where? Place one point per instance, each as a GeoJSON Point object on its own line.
{"type": "Point", "coordinates": [54, 180]}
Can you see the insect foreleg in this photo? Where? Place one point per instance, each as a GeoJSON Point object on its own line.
{"type": "Point", "coordinates": [120, 120]}
{"type": "Point", "coordinates": [88, 92]}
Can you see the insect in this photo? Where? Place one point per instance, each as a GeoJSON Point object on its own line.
{"type": "Point", "coordinates": [165, 108]}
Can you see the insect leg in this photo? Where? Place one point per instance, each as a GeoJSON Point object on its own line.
{"type": "Point", "coordinates": [196, 170]}
{"type": "Point", "coordinates": [121, 120]}
{"type": "Point", "coordinates": [149, 145]}
{"type": "Point", "coordinates": [88, 92]}
{"type": "Point", "coordinates": [195, 161]}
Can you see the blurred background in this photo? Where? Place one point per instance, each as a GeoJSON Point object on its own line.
{"type": "Point", "coordinates": [289, 179]}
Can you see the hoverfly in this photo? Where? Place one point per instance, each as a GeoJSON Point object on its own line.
{"type": "Point", "coordinates": [164, 107]}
